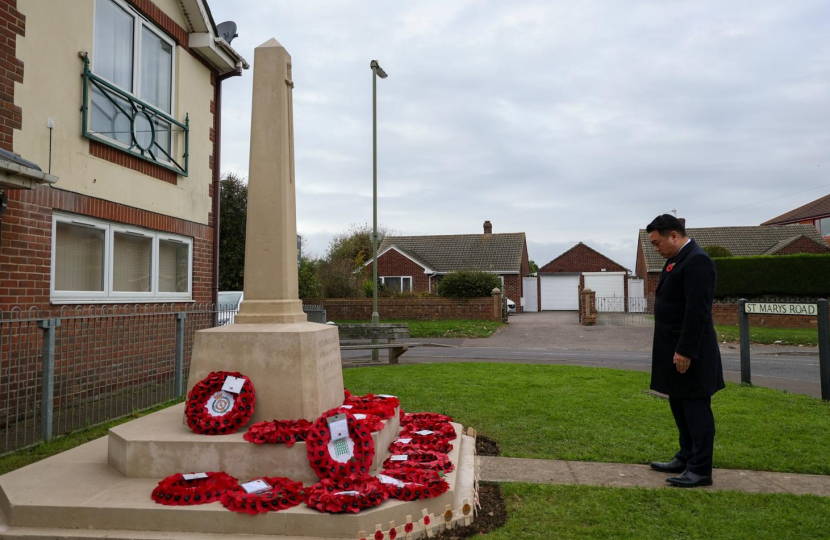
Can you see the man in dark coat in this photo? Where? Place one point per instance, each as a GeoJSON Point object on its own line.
{"type": "Point", "coordinates": [685, 359]}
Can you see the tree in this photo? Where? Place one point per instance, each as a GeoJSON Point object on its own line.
{"type": "Point", "coordinates": [340, 274]}
{"type": "Point", "coordinates": [307, 280]}
{"type": "Point", "coordinates": [717, 251]}
{"type": "Point", "coordinates": [233, 217]}
{"type": "Point", "coordinates": [533, 266]}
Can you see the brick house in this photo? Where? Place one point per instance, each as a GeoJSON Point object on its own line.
{"type": "Point", "coordinates": [418, 263]}
{"type": "Point", "coordinates": [119, 101]}
{"type": "Point", "coordinates": [562, 279]}
{"type": "Point", "coordinates": [740, 241]}
{"type": "Point", "coordinates": [815, 213]}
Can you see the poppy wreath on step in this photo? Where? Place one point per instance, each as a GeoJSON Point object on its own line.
{"type": "Point", "coordinates": [418, 483]}
{"type": "Point", "coordinates": [422, 459]}
{"type": "Point", "coordinates": [434, 441]}
{"type": "Point", "coordinates": [278, 431]}
{"type": "Point", "coordinates": [412, 418]}
{"type": "Point", "coordinates": [442, 428]}
{"type": "Point", "coordinates": [176, 491]}
{"type": "Point", "coordinates": [383, 406]}
{"type": "Point", "coordinates": [284, 493]}
{"type": "Point", "coordinates": [346, 494]}
{"type": "Point", "coordinates": [213, 411]}
{"type": "Point", "coordinates": [324, 464]}
{"type": "Point", "coordinates": [372, 421]}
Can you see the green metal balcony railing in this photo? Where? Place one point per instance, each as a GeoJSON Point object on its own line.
{"type": "Point", "coordinates": [117, 119]}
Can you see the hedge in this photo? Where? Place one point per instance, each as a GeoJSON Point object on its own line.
{"type": "Point", "coordinates": [802, 274]}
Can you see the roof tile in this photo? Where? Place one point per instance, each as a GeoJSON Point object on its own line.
{"type": "Point", "coordinates": [449, 253]}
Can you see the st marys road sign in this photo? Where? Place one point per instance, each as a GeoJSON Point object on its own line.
{"type": "Point", "coordinates": [780, 308]}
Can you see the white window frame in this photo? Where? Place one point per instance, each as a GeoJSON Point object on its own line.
{"type": "Point", "coordinates": [140, 22]}
{"type": "Point", "coordinates": [384, 278]}
{"type": "Point", "coordinates": [108, 296]}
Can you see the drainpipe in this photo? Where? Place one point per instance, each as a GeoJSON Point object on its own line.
{"type": "Point", "coordinates": [217, 152]}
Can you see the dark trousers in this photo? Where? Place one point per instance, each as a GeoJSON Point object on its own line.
{"type": "Point", "coordinates": [696, 425]}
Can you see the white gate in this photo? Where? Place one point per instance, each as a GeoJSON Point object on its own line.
{"type": "Point", "coordinates": [531, 298]}
{"type": "Point", "coordinates": [609, 288]}
{"type": "Point", "coordinates": [636, 296]}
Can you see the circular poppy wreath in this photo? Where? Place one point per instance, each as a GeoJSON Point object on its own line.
{"type": "Point", "coordinates": [284, 493]}
{"type": "Point", "coordinates": [419, 483]}
{"type": "Point", "coordinates": [372, 404]}
{"type": "Point", "coordinates": [278, 431]}
{"type": "Point", "coordinates": [232, 411]}
{"type": "Point", "coordinates": [323, 464]}
{"type": "Point", "coordinates": [176, 491]}
{"type": "Point", "coordinates": [435, 441]}
{"type": "Point", "coordinates": [422, 459]}
{"type": "Point", "coordinates": [444, 429]}
{"type": "Point", "coordinates": [372, 421]}
{"type": "Point", "coordinates": [327, 495]}
{"type": "Point", "coordinates": [412, 418]}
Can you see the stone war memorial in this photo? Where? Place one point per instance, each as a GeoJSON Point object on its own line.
{"type": "Point", "coordinates": [268, 441]}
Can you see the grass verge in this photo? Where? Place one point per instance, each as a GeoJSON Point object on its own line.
{"type": "Point", "coordinates": [446, 328]}
{"type": "Point", "coordinates": [606, 415]}
{"type": "Point", "coordinates": [28, 456]}
{"type": "Point", "coordinates": [768, 336]}
{"type": "Point", "coordinates": [587, 512]}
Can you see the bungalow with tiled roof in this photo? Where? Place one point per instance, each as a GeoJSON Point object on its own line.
{"type": "Point", "coordinates": [418, 263]}
{"type": "Point", "coordinates": [815, 213]}
{"type": "Point", "coordinates": [740, 241]}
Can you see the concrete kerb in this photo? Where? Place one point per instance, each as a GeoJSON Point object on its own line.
{"type": "Point", "coordinates": [541, 471]}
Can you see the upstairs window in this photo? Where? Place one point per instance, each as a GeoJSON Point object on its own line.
{"type": "Point", "coordinates": [823, 226]}
{"type": "Point", "coordinates": [134, 56]}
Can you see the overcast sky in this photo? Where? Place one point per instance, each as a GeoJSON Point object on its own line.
{"type": "Point", "coordinates": [569, 121]}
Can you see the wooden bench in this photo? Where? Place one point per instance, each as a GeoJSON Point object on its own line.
{"type": "Point", "coordinates": [368, 331]}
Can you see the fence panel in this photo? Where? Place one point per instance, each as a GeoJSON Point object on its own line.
{"type": "Point", "coordinates": [109, 361]}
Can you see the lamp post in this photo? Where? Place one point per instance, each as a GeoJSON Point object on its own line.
{"type": "Point", "coordinates": [377, 71]}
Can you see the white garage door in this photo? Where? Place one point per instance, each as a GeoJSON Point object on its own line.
{"type": "Point", "coordinates": [560, 293]}
{"type": "Point", "coordinates": [530, 302]}
{"type": "Point", "coordinates": [609, 288]}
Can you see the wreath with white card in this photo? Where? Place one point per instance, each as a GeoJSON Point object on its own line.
{"type": "Point", "coordinates": [221, 403]}
{"type": "Point", "coordinates": [192, 488]}
{"type": "Point", "coordinates": [340, 446]}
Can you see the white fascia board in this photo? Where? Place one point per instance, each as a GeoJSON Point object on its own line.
{"type": "Point", "coordinates": [427, 270]}
{"type": "Point", "coordinates": [216, 52]}
{"type": "Point", "coordinates": [195, 12]}
{"type": "Point", "coordinates": [604, 273]}
{"type": "Point", "coordinates": [17, 176]}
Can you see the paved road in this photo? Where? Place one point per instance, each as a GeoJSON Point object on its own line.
{"type": "Point", "coordinates": [557, 338]}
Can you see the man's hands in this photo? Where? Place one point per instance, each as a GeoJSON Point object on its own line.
{"type": "Point", "coordinates": [682, 362]}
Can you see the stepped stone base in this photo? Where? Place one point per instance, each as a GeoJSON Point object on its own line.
{"type": "Point", "coordinates": [158, 445]}
{"type": "Point", "coordinates": [295, 368]}
{"type": "Point", "coordinates": [77, 495]}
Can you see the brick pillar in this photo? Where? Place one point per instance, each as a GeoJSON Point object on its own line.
{"type": "Point", "coordinates": [588, 311]}
{"type": "Point", "coordinates": [496, 304]}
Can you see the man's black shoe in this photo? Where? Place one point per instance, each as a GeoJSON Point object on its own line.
{"type": "Point", "coordinates": [673, 466]}
{"type": "Point", "coordinates": [689, 480]}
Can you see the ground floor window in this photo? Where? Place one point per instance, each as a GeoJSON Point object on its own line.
{"type": "Point", "coordinates": [400, 284]}
{"type": "Point", "coordinates": [99, 261]}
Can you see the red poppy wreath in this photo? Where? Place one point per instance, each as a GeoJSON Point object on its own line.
{"type": "Point", "coordinates": [423, 459]}
{"type": "Point", "coordinates": [435, 442]}
{"type": "Point", "coordinates": [213, 411]}
{"type": "Point", "coordinates": [278, 431]}
{"type": "Point", "coordinates": [414, 418]}
{"type": "Point", "coordinates": [346, 494]}
{"type": "Point", "coordinates": [284, 493]}
{"type": "Point", "coordinates": [380, 405]}
{"type": "Point", "coordinates": [417, 483]}
{"type": "Point", "coordinates": [201, 488]}
{"type": "Point", "coordinates": [444, 430]}
{"type": "Point", "coordinates": [360, 446]}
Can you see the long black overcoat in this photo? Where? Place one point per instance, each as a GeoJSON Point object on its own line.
{"type": "Point", "coordinates": [683, 324]}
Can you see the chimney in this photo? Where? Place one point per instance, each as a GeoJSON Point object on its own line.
{"type": "Point", "coordinates": [488, 227]}
{"type": "Point", "coordinates": [682, 221]}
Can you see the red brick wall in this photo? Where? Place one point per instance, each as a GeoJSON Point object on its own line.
{"type": "Point", "coordinates": [581, 258]}
{"type": "Point", "coordinates": [728, 314]}
{"type": "Point", "coordinates": [12, 24]}
{"type": "Point", "coordinates": [25, 246]}
{"type": "Point", "coordinates": [513, 289]}
{"type": "Point", "coordinates": [804, 245]}
{"type": "Point", "coordinates": [407, 308]}
{"type": "Point", "coordinates": [392, 263]}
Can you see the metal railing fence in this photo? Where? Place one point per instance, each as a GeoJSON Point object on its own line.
{"type": "Point", "coordinates": [61, 371]}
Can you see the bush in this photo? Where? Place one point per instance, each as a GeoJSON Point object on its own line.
{"type": "Point", "coordinates": [468, 284]}
{"type": "Point", "coordinates": [717, 251]}
{"type": "Point", "coordinates": [802, 274]}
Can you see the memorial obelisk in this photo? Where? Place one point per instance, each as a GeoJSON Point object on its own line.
{"type": "Point", "coordinates": [293, 364]}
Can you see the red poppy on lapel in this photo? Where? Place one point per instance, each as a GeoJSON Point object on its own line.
{"type": "Point", "coordinates": [670, 267]}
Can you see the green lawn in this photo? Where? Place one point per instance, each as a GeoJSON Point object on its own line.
{"type": "Point", "coordinates": [446, 328]}
{"type": "Point", "coordinates": [781, 336]}
{"type": "Point", "coordinates": [594, 414]}
{"type": "Point", "coordinates": [586, 512]}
